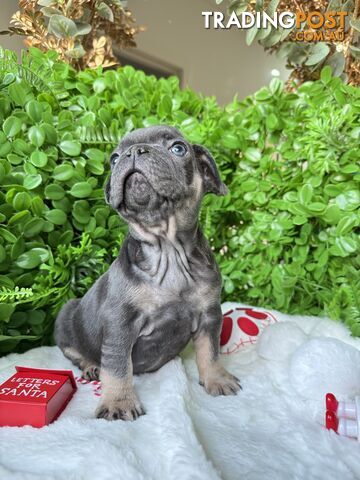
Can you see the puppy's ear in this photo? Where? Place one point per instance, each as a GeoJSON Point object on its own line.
{"type": "Point", "coordinates": [209, 172]}
{"type": "Point", "coordinates": [107, 189]}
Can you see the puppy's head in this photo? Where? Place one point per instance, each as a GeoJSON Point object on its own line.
{"type": "Point", "coordinates": [156, 173]}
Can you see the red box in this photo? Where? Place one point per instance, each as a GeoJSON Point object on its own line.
{"type": "Point", "coordinates": [35, 396]}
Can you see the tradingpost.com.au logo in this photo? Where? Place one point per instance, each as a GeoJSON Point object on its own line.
{"type": "Point", "coordinates": [308, 27]}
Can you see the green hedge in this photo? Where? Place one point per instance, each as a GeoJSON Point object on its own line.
{"type": "Point", "coordinates": [287, 235]}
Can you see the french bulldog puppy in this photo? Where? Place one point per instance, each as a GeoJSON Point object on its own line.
{"type": "Point", "coordinates": [164, 287]}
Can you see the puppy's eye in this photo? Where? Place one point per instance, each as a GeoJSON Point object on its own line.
{"type": "Point", "coordinates": [178, 149]}
{"type": "Point", "coordinates": [113, 159]}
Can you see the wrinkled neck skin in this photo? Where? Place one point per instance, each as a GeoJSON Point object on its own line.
{"type": "Point", "coordinates": [164, 255]}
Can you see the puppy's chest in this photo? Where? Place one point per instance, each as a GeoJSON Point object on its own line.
{"type": "Point", "coordinates": [174, 309]}
{"type": "Point", "coordinates": [171, 269]}
{"type": "Point", "coordinates": [176, 288]}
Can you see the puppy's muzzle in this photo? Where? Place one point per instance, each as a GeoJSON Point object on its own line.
{"type": "Point", "coordinates": [137, 189]}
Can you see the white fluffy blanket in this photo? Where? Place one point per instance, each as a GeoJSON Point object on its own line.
{"type": "Point", "coordinates": [273, 429]}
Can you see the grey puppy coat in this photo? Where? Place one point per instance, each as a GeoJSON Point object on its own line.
{"type": "Point", "coordinates": [164, 287]}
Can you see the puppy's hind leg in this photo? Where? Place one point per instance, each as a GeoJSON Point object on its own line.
{"type": "Point", "coordinates": [65, 336]}
{"type": "Point", "coordinates": [90, 371]}
{"type": "Point", "coordinates": [64, 324]}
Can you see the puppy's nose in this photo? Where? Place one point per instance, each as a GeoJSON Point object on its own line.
{"type": "Point", "coordinates": [135, 150]}
{"type": "Point", "coordinates": [141, 150]}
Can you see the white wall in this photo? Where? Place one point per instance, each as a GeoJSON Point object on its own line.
{"type": "Point", "coordinates": [215, 62]}
{"type": "Point", "coordinates": [8, 7]}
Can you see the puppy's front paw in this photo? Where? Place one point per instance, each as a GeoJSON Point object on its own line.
{"type": "Point", "coordinates": [220, 382]}
{"type": "Point", "coordinates": [122, 409]}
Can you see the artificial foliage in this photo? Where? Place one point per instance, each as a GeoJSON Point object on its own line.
{"type": "Point", "coordinates": [306, 59]}
{"type": "Point", "coordinates": [81, 31]}
{"type": "Point", "coordinates": [286, 236]}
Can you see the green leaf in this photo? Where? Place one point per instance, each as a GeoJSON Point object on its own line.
{"type": "Point", "coordinates": [263, 95]}
{"type": "Point", "coordinates": [105, 11]}
{"type": "Point", "coordinates": [6, 339]}
{"type": "Point", "coordinates": [12, 126]}
{"type": "Point", "coordinates": [272, 122]}
{"type": "Point", "coordinates": [94, 166]}
{"type": "Point", "coordinates": [81, 190]}
{"type": "Point", "coordinates": [355, 51]}
{"type": "Point", "coordinates": [29, 168]}
{"type": "Point", "coordinates": [230, 140]}
{"type": "Point", "coordinates": [63, 172]}
{"type": "Point", "coordinates": [95, 162]}
{"type": "Point", "coordinates": [165, 106]}
{"type": "Point", "coordinates": [75, 53]}
{"type": "Point", "coordinates": [18, 248]}
{"type": "Point", "coordinates": [56, 216]}
{"type": "Point", "coordinates": [299, 220]}
{"type": "Point", "coordinates": [272, 6]}
{"type": "Point", "coordinates": [249, 185]}
{"type": "Point", "coordinates": [229, 286]}
{"type": "Point", "coordinates": [62, 27]}
{"type": "Point", "coordinates": [45, 3]}
{"type": "Point", "coordinates": [7, 235]}
{"type": "Point", "coordinates": [36, 135]}
{"type": "Point", "coordinates": [343, 246]}
{"type": "Point", "coordinates": [32, 181]}
{"type": "Point", "coordinates": [21, 201]}
{"type": "Point", "coordinates": [33, 227]}
{"type": "Point", "coordinates": [49, 11]}
{"type": "Point", "coordinates": [17, 93]}
{"type": "Point", "coordinates": [253, 154]}
{"type": "Point", "coordinates": [36, 317]}
{"type": "Point", "coordinates": [19, 217]}
{"type": "Point", "coordinates": [250, 35]}
{"type": "Point", "coordinates": [355, 23]}
{"type": "Point", "coordinates": [42, 252]}
{"type": "Point", "coordinates": [318, 52]}
{"type": "Point", "coordinates": [39, 159]}
{"type": "Point", "coordinates": [2, 254]}
{"type": "Point", "coordinates": [99, 85]}
{"type": "Point", "coordinates": [29, 260]}
{"type": "Point", "coordinates": [54, 192]}
{"type": "Point", "coordinates": [37, 206]}
{"type": "Point", "coordinates": [239, 6]}
{"type": "Point", "coordinates": [326, 74]}
{"type": "Point", "coordinates": [83, 28]}
{"type": "Point", "coordinates": [50, 133]}
{"type": "Point", "coordinates": [316, 207]}
{"type": "Point", "coordinates": [34, 110]}
{"type": "Point", "coordinates": [306, 194]}
{"type": "Point", "coordinates": [346, 224]}
{"type": "Point", "coordinates": [81, 211]}
{"type": "Point", "coordinates": [337, 62]}
{"type": "Point", "coordinates": [6, 310]}
{"type": "Point", "coordinates": [71, 147]}
{"type": "Point", "coordinates": [349, 200]}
